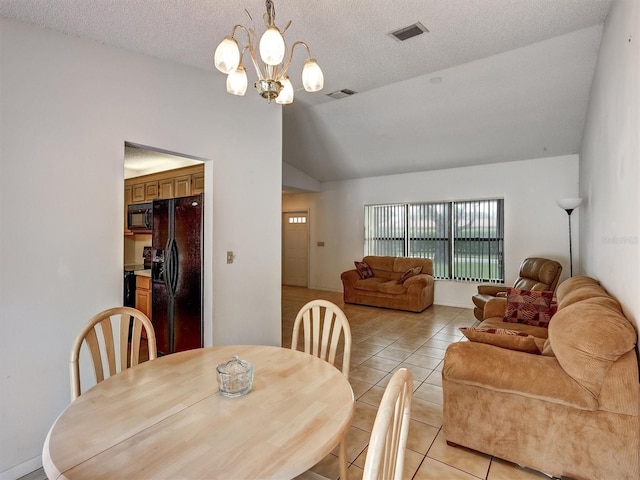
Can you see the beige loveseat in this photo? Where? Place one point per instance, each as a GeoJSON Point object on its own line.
{"type": "Point", "coordinates": [384, 290]}
{"type": "Point", "coordinates": [571, 411]}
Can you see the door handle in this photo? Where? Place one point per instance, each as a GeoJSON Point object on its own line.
{"type": "Point", "coordinates": [171, 264]}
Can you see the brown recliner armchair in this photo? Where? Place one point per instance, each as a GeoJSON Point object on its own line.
{"type": "Point", "coordinates": [538, 274]}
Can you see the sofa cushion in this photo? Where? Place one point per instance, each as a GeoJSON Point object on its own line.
{"type": "Point", "coordinates": [576, 289]}
{"type": "Point", "coordinates": [369, 284]}
{"type": "Point", "coordinates": [391, 287]}
{"type": "Point", "coordinates": [503, 338]}
{"type": "Point", "coordinates": [580, 294]}
{"type": "Point", "coordinates": [497, 322]}
{"type": "Point", "coordinates": [401, 264]}
{"type": "Point", "coordinates": [528, 307]}
{"type": "Point", "coordinates": [410, 272]}
{"type": "Point", "coordinates": [382, 266]}
{"type": "Point", "coordinates": [364, 270]}
{"type": "Point", "coordinates": [587, 337]}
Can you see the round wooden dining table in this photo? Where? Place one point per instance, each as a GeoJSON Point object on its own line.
{"type": "Point", "coordinates": [166, 419]}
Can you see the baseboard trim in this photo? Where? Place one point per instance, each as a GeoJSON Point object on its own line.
{"type": "Point", "coordinates": [23, 469]}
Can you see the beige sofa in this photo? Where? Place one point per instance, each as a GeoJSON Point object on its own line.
{"type": "Point", "coordinates": [383, 289]}
{"type": "Point", "coordinates": [571, 411]}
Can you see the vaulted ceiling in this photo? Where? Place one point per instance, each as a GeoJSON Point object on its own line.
{"type": "Point", "coordinates": [491, 81]}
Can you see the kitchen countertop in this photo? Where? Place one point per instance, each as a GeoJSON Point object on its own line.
{"type": "Point", "coordinates": [138, 269]}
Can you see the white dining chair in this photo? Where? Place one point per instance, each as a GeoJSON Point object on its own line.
{"type": "Point", "coordinates": [99, 337]}
{"type": "Point", "coordinates": [323, 325]}
{"type": "Point", "coordinates": [388, 441]}
{"type": "Point", "coordinates": [385, 454]}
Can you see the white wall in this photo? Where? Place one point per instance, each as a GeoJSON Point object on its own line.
{"type": "Point", "coordinates": [294, 179]}
{"type": "Point", "coordinates": [534, 224]}
{"type": "Point", "coordinates": [66, 108]}
{"type": "Point", "coordinates": [609, 173]}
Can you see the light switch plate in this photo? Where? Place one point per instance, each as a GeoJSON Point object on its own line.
{"type": "Point", "coordinates": [229, 257]}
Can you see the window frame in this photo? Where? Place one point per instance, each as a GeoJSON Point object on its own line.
{"type": "Point", "coordinates": [490, 269]}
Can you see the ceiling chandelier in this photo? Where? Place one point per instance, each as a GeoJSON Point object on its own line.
{"type": "Point", "coordinates": [273, 81]}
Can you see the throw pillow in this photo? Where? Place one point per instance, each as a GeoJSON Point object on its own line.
{"type": "Point", "coordinates": [501, 337]}
{"type": "Point", "coordinates": [409, 273]}
{"type": "Point", "coordinates": [364, 270]}
{"type": "Point", "coordinates": [528, 307]}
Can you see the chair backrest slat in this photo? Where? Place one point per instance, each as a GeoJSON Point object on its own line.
{"type": "Point", "coordinates": [124, 337]}
{"type": "Point", "coordinates": [109, 345]}
{"type": "Point", "coordinates": [326, 343]}
{"type": "Point", "coordinates": [94, 349]}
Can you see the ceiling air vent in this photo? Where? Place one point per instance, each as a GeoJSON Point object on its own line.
{"type": "Point", "coordinates": [338, 94]}
{"type": "Point", "coordinates": [409, 32]}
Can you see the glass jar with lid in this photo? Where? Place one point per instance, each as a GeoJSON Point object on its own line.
{"type": "Point", "coordinates": [235, 377]}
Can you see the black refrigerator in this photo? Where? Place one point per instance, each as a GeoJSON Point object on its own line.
{"type": "Point", "coordinates": [176, 297]}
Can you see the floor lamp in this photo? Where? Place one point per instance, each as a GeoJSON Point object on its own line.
{"type": "Point", "coordinates": [569, 205]}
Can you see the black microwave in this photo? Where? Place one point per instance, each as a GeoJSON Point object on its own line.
{"type": "Point", "coordinates": [140, 216]}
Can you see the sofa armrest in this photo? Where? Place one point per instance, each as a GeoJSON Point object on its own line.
{"type": "Point", "coordinates": [514, 372]}
{"type": "Point", "coordinates": [350, 277]}
{"type": "Point", "coordinates": [495, 308]}
{"type": "Point", "coordinates": [491, 289]}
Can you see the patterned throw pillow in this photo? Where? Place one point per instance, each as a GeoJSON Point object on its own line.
{"type": "Point", "coordinates": [364, 270]}
{"type": "Point", "coordinates": [528, 307]}
{"type": "Point", "coordinates": [409, 273]}
{"type": "Point", "coordinates": [503, 338]}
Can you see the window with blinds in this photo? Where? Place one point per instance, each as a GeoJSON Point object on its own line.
{"type": "Point", "coordinates": [465, 240]}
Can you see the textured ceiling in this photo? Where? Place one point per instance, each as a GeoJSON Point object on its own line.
{"type": "Point", "coordinates": [514, 75]}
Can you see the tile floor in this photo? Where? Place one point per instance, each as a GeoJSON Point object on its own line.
{"type": "Point", "coordinates": [382, 341]}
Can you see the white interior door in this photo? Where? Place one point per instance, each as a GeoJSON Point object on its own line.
{"type": "Point", "coordinates": [295, 249]}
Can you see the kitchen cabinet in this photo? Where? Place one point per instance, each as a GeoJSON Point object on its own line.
{"type": "Point", "coordinates": [151, 191]}
{"type": "Point", "coordinates": [144, 191]}
{"type": "Point", "coordinates": [182, 185]}
{"type": "Point", "coordinates": [137, 193]}
{"type": "Point", "coordinates": [143, 294]}
{"type": "Point", "coordinates": [197, 183]}
{"type": "Point", "coordinates": [175, 187]}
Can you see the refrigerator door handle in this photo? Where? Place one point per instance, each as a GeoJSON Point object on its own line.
{"type": "Point", "coordinates": [171, 273]}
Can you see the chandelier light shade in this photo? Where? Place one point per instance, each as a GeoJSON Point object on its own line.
{"type": "Point", "coordinates": [237, 81]}
{"type": "Point", "coordinates": [227, 56]}
{"type": "Point", "coordinates": [286, 94]}
{"type": "Point", "coordinates": [272, 46]}
{"type": "Point", "coordinates": [271, 67]}
{"type": "Point", "coordinates": [312, 77]}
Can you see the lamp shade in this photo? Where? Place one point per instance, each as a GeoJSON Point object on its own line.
{"type": "Point", "coordinates": [272, 46]}
{"type": "Point", "coordinates": [286, 94]}
{"type": "Point", "coordinates": [227, 56]}
{"type": "Point", "coordinates": [237, 81]}
{"type": "Point", "coordinates": [312, 77]}
{"type": "Point", "coordinates": [569, 203]}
